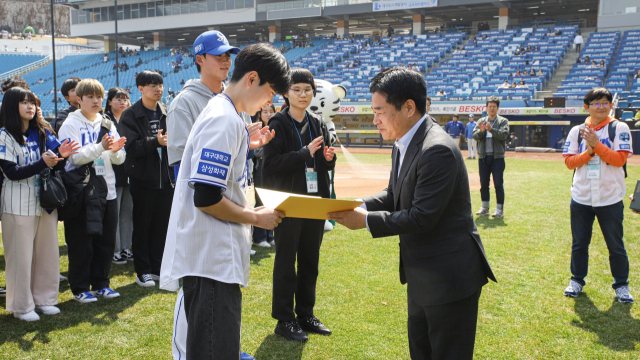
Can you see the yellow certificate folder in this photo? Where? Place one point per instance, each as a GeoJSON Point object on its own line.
{"type": "Point", "coordinates": [304, 206]}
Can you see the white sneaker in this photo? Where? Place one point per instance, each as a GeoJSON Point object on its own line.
{"type": "Point", "coordinates": [573, 290]}
{"type": "Point", "coordinates": [63, 278]}
{"type": "Point", "coordinates": [623, 295]}
{"type": "Point", "coordinates": [253, 252]}
{"type": "Point", "coordinates": [47, 309]}
{"type": "Point", "coordinates": [30, 316]}
{"type": "Point", "coordinates": [498, 213]}
{"type": "Point", "coordinates": [145, 280]}
{"type": "Point", "coordinates": [106, 293]}
{"type": "Point", "coordinates": [272, 243]}
{"type": "Point", "coordinates": [328, 226]}
{"type": "Point", "coordinates": [483, 211]}
{"type": "Point", "coordinates": [263, 244]}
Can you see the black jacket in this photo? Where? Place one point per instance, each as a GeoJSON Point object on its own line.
{"type": "Point", "coordinates": [428, 204]}
{"type": "Point", "coordinates": [143, 164]}
{"type": "Point", "coordinates": [121, 176]}
{"type": "Point", "coordinates": [284, 159]}
{"type": "Point", "coordinates": [62, 116]}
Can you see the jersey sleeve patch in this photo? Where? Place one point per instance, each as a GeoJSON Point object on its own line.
{"type": "Point", "coordinates": [625, 147]}
{"type": "Point", "coordinates": [3, 148]}
{"type": "Point", "coordinates": [213, 171]}
{"type": "Point", "coordinates": [215, 156]}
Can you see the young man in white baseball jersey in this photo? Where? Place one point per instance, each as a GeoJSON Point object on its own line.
{"type": "Point", "coordinates": [209, 237]}
{"type": "Point", "coordinates": [597, 151]}
{"type": "Point", "coordinates": [213, 61]}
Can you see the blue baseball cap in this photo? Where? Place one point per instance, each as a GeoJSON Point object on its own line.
{"type": "Point", "coordinates": [213, 43]}
{"type": "Point", "coordinates": [471, 115]}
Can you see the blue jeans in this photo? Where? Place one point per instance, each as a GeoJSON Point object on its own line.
{"type": "Point", "coordinates": [260, 235]}
{"type": "Point", "coordinates": [610, 219]}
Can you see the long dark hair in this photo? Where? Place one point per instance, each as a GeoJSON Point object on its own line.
{"type": "Point", "coordinates": [258, 116]}
{"type": "Point", "coordinates": [10, 113]}
{"type": "Point", "coordinates": [115, 92]}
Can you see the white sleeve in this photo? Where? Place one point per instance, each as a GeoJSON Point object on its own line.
{"type": "Point", "coordinates": [9, 148]}
{"type": "Point", "coordinates": [214, 150]}
{"type": "Point", "coordinates": [87, 153]}
{"type": "Point", "coordinates": [116, 158]}
{"type": "Point", "coordinates": [622, 142]}
{"type": "Point", "coordinates": [571, 145]}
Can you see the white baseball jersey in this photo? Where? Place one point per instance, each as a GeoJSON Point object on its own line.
{"type": "Point", "coordinates": [21, 197]}
{"type": "Point", "coordinates": [604, 185]}
{"type": "Point", "coordinates": [197, 243]}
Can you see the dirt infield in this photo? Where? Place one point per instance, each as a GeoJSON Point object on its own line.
{"type": "Point", "coordinates": [354, 181]}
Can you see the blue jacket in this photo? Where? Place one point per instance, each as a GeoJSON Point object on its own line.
{"type": "Point", "coordinates": [454, 129]}
{"type": "Point", "coordinates": [469, 131]}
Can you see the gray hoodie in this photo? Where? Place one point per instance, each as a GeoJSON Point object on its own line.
{"type": "Point", "coordinates": [183, 112]}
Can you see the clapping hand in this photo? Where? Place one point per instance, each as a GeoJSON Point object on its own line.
{"type": "Point", "coordinates": [315, 145]}
{"type": "Point", "coordinates": [107, 141]}
{"type": "Point", "coordinates": [261, 138]}
{"type": "Point", "coordinates": [590, 136]}
{"type": "Point", "coordinates": [482, 126]}
{"type": "Point", "coordinates": [329, 153]}
{"type": "Point", "coordinates": [488, 126]}
{"type": "Point", "coordinates": [68, 148]}
{"type": "Point", "coordinates": [254, 128]}
{"type": "Point", "coordinates": [118, 144]}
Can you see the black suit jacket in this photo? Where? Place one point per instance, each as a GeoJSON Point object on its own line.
{"type": "Point", "coordinates": [442, 258]}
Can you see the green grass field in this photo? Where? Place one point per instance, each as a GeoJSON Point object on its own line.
{"type": "Point", "coordinates": [359, 296]}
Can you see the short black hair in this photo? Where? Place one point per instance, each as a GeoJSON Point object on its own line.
{"type": "Point", "coordinates": [13, 82]}
{"type": "Point", "coordinates": [69, 85]}
{"type": "Point", "coordinates": [597, 94]}
{"type": "Point", "coordinates": [268, 62]}
{"type": "Point", "coordinates": [398, 85]}
{"type": "Point", "coordinates": [494, 99]}
{"type": "Point", "coordinates": [148, 77]}
{"type": "Point", "coordinates": [301, 76]}
{"type": "Point", "coordinates": [428, 99]}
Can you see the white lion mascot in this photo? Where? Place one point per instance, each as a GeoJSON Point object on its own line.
{"type": "Point", "coordinates": [326, 103]}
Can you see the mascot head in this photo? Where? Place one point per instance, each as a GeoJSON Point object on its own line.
{"type": "Point", "coordinates": [326, 102]}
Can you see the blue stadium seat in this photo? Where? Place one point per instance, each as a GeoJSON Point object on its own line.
{"type": "Point", "coordinates": [635, 104]}
{"type": "Point", "coordinates": [626, 115]}
{"type": "Point", "coordinates": [632, 98]}
{"type": "Point", "coordinates": [623, 104]}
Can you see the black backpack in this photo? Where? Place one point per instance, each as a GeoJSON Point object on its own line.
{"type": "Point", "coordinates": [612, 136]}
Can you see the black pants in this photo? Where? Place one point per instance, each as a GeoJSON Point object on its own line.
{"type": "Point", "coordinates": [151, 211]}
{"type": "Point", "coordinates": [214, 317]}
{"type": "Point", "coordinates": [490, 166]}
{"type": "Point", "coordinates": [299, 238]}
{"type": "Point", "coordinates": [443, 332]}
{"type": "Point", "coordinates": [90, 255]}
{"type": "Point", "coordinates": [578, 46]}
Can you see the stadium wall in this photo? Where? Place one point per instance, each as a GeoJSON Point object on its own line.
{"type": "Point", "coordinates": [19, 15]}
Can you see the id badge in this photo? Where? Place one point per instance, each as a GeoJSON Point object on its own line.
{"type": "Point", "coordinates": [100, 168]}
{"type": "Point", "coordinates": [593, 168]}
{"type": "Point", "coordinates": [250, 193]}
{"type": "Point", "coordinates": [312, 180]}
{"type": "Point", "coordinates": [38, 182]}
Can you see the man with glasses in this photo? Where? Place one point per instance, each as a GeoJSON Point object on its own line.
{"type": "Point", "coordinates": [597, 151]}
{"type": "Point", "coordinates": [150, 177]}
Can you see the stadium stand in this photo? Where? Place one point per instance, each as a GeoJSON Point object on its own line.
{"type": "Point", "coordinates": [13, 61]}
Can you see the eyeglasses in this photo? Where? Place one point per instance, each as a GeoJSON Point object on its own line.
{"type": "Point", "coordinates": [598, 105]}
{"type": "Point", "coordinates": [299, 91]}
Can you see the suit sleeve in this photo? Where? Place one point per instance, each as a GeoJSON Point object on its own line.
{"type": "Point", "coordinates": [138, 145]}
{"type": "Point", "coordinates": [437, 171]}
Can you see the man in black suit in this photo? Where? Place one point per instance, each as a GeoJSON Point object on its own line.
{"type": "Point", "coordinates": [427, 203]}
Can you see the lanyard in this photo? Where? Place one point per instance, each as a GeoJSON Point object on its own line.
{"type": "Point", "coordinates": [300, 137]}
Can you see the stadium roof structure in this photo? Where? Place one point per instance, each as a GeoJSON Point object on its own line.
{"type": "Point", "coordinates": [249, 18]}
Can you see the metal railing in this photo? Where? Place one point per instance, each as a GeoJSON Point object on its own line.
{"type": "Point", "coordinates": [25, 69]}
{"type": "Point", "coordinates": [301, 4]}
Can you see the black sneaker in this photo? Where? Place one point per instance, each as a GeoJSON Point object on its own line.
{"type": "Point", "coordinates": [291, 331]}
{"type": "Point", "coordinates": [127, 255]}
{"type": "Point", "coordinates": [314, 325]}
{"type": "Point", "coordinates": [118, 260]}
{"type": "Point", "coordinates": [145, 280]}
{"type": "Point", "coordinates": [3, 292]}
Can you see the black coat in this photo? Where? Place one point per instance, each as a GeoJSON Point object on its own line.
{"type": "Point", "coordinates": [143, 164]}
{"type": "Point", "coordinates": [62, 116]}
{"type": "Point", "coordinates": [428, 204]}
{"type": "Point", "coordinates": [284, 159]}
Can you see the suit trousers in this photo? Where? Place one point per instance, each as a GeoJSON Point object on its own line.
{"type": "Point", "coordinates": [490, 166]}
{"type": "Point", "coordinates": [90, 255]}
{"type": "Point", "coordinates": [32, 262]}
{"type": "Point", "coordinates": [443, 332]}
{"type": "Point", "coordinates": [151, 211]}
{"type": "Point", "coordinates": [301, 239]}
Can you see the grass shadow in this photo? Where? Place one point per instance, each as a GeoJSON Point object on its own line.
{"type": "Point", "coordinates": [276, 347]}
{"type": "Point", "coordinates": [486, 222]}
{"type": "Point", "coordinates": [262, 253]}
{"type": "Point", "coordinates": [102, 313]}
{"type": "Point", "coordinates": [615, 327]}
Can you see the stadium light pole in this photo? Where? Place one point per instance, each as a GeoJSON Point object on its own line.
{"type": "Point", "coordinates": [53, 49]}
{"type": "Point", "coordinates": [117, 64]}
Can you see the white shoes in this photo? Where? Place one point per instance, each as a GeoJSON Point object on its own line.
{"type": "Point", "coordinates": [498, 214]}
{"type": "Point", "coordinates": [328, 226]}
{"type": "Point", "coordinates": [483, 211]}
{"type": "Point", "coordinates": [264, 244]}
{"type": "Point", "coordinates": [30, 316]}
{"type": "Point", "coordinates": [47, 309]}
